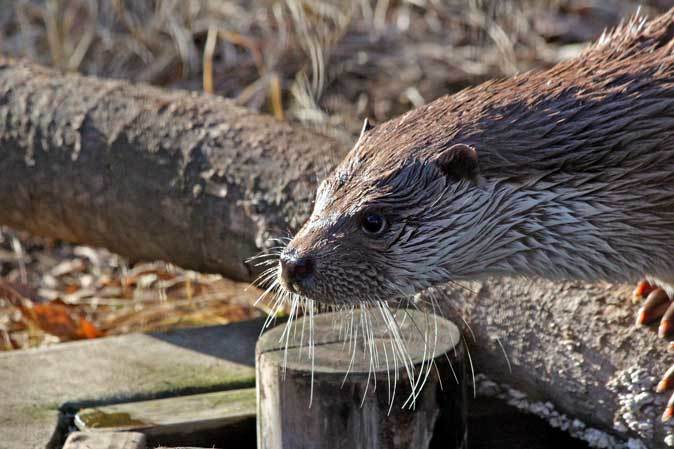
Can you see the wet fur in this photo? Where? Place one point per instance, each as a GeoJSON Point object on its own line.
{"type": "Point", "coordinates": [576, 181]}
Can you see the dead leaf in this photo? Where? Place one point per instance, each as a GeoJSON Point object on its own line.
{"type": "Point", "coordinates": [57, 319]}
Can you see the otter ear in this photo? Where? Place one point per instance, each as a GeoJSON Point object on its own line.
{"type": "Point", "coordinates": [458, 162]}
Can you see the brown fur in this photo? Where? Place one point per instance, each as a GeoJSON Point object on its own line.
{"type": "Point", "coordinates": [575, 179]}
{"type": "Point", "coordinates": [587, 111]}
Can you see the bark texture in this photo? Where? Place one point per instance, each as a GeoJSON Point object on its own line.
{"type": "Point", "coordinates": [360, 416]}
{"type": "Point", "coordinates": [573, 344]}
{"type": "Point", "coordinates": [195, 180]}
{"type": "Point", "coordinates": [149, 173]}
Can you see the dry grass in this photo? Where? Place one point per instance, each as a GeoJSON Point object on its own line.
{"type": "Point", "coordinates": [327, 64]}
{"type": "Point", "coordinates": [324, 63]}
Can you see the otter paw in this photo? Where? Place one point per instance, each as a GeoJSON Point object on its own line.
{"type": "Point", "coordinates": [666, 384]}
{"type": "Point", "coordinates": [657, 306]}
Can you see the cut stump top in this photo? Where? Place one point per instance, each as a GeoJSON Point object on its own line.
{"type": "Point", "coordinates": [425, 336]}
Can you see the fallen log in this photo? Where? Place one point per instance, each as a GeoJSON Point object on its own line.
{"type": "Point", "coordinates": [150, 173]}
{"type": "Point", "coordinates": [568, 352]}
{"type": "Point", "coordinates": [195, 180]}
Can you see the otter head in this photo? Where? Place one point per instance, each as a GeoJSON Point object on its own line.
{"type": "Point", "coordinates": [385, 221]}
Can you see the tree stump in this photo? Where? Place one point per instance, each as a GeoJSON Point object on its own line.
{"type": "Point", "coordinates": [105, 440]}
{"type": "Point", "coordinates": [356, 393]}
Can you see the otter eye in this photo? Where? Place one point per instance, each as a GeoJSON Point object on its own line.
{"type": "Point", "coordinates": [373, 223]}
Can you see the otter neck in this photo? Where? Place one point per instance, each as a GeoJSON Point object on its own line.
{"type": "Point", "coordinates": [553, 230]}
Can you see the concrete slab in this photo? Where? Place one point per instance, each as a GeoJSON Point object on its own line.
{"type": "Point", "coordinates": [40, 388]}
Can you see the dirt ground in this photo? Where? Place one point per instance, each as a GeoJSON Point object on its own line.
{"type": "Point", "coordinates": [325, 64]}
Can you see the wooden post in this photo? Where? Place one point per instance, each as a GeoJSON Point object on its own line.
{"type": "Point", "coordinates": [333, 410]}
{"type": "Point", "coordinates": [105, 440]}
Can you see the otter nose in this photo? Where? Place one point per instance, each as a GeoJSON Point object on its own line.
{"type": "Point", "coordinates": [296, 269]}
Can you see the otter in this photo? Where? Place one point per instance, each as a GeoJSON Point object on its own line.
{"type": "Point", "coordinates": [565, 173]}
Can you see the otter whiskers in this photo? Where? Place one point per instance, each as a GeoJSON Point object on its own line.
{"type": "Point", "coordinates": [356, 331]}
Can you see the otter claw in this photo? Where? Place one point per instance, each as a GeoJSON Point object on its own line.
{"type": "Point", "coordinates": [658, 306]}
{"type": "Point", "coordinates": [643, 289]}
{"type": "Point", "coordinates": [669, 411]}
{"type": "Point", "coordinates": [667, 322]}
{"type": "Point", "coordinates": [667, 383]}
{"type": "Point", "coordinates": [655, 306]}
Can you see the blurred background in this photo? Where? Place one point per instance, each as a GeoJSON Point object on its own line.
{"type": "Point", "coordinates": [323, 64]}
